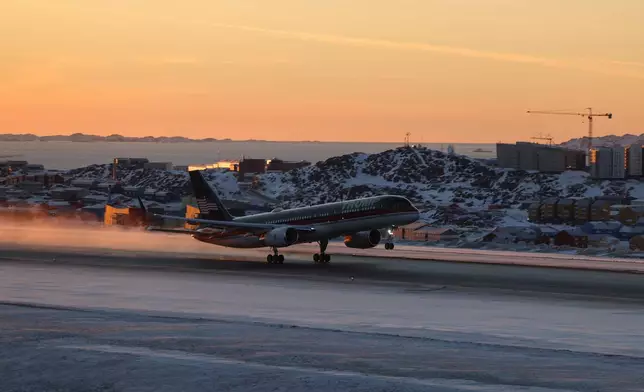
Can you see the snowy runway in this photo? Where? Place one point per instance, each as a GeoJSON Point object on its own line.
{"type": "Point", "coordinates": [248, 326]}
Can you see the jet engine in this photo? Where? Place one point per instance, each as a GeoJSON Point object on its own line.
{"type": "Point", "coordinates": [363, 239]}
{"type": "Point", "coordinates": [282, 236]}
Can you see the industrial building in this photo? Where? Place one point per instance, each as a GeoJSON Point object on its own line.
{"type": "Point", "coordinates": [532, 156]}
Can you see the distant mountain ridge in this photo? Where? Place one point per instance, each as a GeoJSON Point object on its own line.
{"type": "Point", "coordinates": [81, 137]}
{"type": "Point", "coordinates": [605, 141]}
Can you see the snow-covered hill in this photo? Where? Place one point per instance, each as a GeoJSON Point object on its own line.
{"type": "Point", "coordinates": [605, 141]}
{"type": "Point", "coordinates": [426, 176]}
{"type": "Point", "coordinates": [447, 188]}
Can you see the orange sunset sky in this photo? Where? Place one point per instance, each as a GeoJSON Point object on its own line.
{"type": "Point", "coordinates": [359, 70]}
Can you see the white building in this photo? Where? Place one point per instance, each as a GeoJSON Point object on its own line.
{"type": "Point", "coordinates": [634, 157]}
{"type": "Point", "coordinates": [618, 163]}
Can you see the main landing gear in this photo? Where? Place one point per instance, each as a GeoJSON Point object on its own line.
{"type": "Point", "coordinates": [322, 258]}
{"type": "Point", "coordinates": [389, 245]}
{"type": "Point", "coordinates": [275, 258]}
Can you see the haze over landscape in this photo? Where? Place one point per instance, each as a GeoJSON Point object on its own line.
{"type": "Point", "coordinates": [447, 71]}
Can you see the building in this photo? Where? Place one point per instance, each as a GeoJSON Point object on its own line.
{"type": "Point", "coordinates": [31, 186]}
{"type": "Point", "coordinates": [68, 193]}
{"type": "Point", "coordinates": [582, 210]}
{"type": "Point", "coordinates": [407, 232]}
{"type": "Point", "coordinates": [507, 156]}
{"type": "Point", "coordinates": [278, 165]}
{"type": "Point", "coordinates": [628, 232]}
{"type": "Point", "coordinates": [13, 165]}
{"type": "Point", "coordinates": [600, 210]}
{"type": "Point", "coordinates": [627, 214]}
{"type": "Point", "coordinates": [549, 209]}
{"type": "Point", "coordinates": [573, 238]}
{"type": "Point", "coordinates": [527, 156]}
{"type": "Point", "coordinates": [574, 160]}
{"type": "Point", "coordinates": [532, 156]}
{"type": "Point", "coordinates": [566, 210]}
{"type": "Point", "coordinates": [251, 167]}
{"type": "Point", "coordinates": [158, 165]}
{"type": "Point", "coordinates": [86, 183]}
{"type": "Point", "coordinates": [634, 159]}
{"type": "Point", "coordinates": [602, 227]}
{"type": "Point", "coordinates": [434, 234]}
{"type": "Point", "coordinates": [637, 242]}
{"type": "Point", "coordinates": [125, 216]}
{"type": "Point", "coordinates": [551, 160]}
{"type": "Point", "coordinates": [608, 163]}
{"type": "Point", "coordinates": [130, 163]}
{"type": "Point", "coordinates": [134, 191]}
{"type": "Point", "coordinates": [222, 165]}
{"type": "Point", "coordinates": [603, 241]}
{"type": "Point", "coordinates": [34, 167]}
{"type": "Point", "coordinates": [192, 212]}
{"type": "Point", "coordinates": [600, 162]}
{"type": "Point", "coordinates": [534, 212]}
{"type": "Point", "coordinates": [618, 163]}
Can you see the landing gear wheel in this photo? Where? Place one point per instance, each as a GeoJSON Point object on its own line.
{"type": "Point", "coordinates": [389, 246]}
{"type": "Point", "coordinates": [275, 258]}
{"type": "Point", "coordinates": [322, 257]}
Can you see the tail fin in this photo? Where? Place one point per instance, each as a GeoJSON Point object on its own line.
{"type": "Point", "coordinates": [141, 205]}
{"type": "Point", "coordinates": [145, 219]}
{"type": "Point", "coordinates": [209, 204]}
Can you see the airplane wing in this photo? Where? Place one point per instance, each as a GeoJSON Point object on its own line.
{"type": "Point", "coordinates": [176, 231]}
{"type": "Point", "coordinates": [257, 228]}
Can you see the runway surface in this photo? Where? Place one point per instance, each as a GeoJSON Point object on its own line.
{"type": "Point", "coordinates": [227, 323]}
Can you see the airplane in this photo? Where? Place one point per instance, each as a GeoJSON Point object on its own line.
{"type": "Point", "coordinates": [359, 221]}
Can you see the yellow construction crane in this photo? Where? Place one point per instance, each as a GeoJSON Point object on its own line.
{"type": "Point", "coordinates": [590, 115]}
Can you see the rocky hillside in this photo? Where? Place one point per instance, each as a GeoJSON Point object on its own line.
{"type": "Point", "coordinates": [177, 182]}
{"type": "Point", "coordinates": [605, 141]}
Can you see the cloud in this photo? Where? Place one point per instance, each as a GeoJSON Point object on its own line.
{"type": "Point", "coordinates": [628, 63]}
{"type": "Point", "coordinates": [581, 65]}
